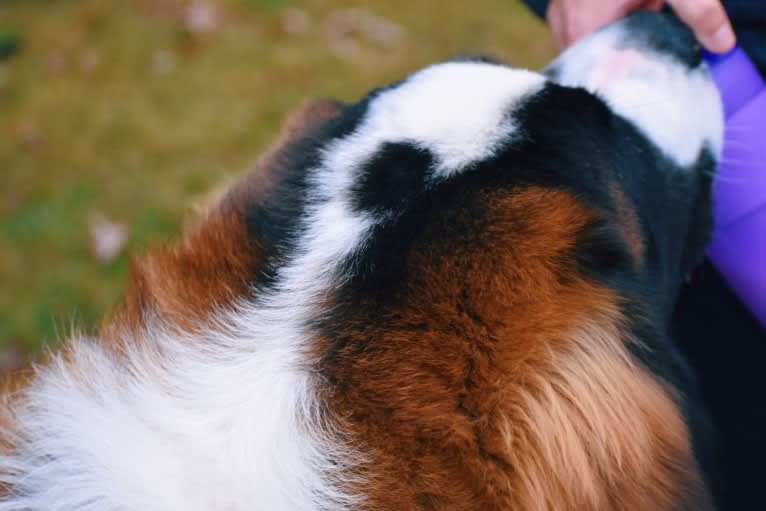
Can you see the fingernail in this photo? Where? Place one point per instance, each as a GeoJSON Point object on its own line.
{"type": "Point", "coordinates": [723, 39]}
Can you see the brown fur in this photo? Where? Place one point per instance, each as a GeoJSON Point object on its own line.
{"type": "Point", "coordinates": [212, 266]}
{"type": "Point", "coordinates": [629, 225]}
{"type": "Point", "coordinates": [218, 260]}
{"type": "Point", "coordinates": [503, 380]}
{"type": "Point", "coordinates": [11, 383]}
{"type": "Point", "coordinates": [500, 380]}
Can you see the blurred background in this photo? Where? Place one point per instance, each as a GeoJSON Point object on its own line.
{"type": "Point", "coordinates": [116, 117]}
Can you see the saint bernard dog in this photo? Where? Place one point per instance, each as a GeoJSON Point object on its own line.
{"type": "Point", "coordinates": [454, 294]}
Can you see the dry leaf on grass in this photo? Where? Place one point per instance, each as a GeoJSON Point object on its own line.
{"type": "Point", "coordinates": [346, 28]}
{"type": "Point", "coordinates": [107, 238]}
{"type": "Point", "coordinates": [295, 21]}
{"type": "Point", "coordinates": [201, 17]}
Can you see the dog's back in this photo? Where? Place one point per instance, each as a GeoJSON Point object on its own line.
{"type": "Point", "coordinates": [451, 295]}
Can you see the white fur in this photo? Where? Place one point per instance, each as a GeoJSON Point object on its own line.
{"type": "Point", "coordinates": [460, 111]}
{"type": "Point", "coordinates": [679, 110]}
{"type": "Point", "coordinates": [227, 427]}
{"type": "Point", "coordinates": [229, 419]}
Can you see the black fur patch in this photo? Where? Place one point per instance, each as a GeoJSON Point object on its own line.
{"type": "Point", "coordinates": [601, 253]}
{"type": "Point", "coordinates": [276, 224]}
{"type": "Point", "coordinates": [667, 35]}
{"type": "Point", "coordinates": [726, 347]}
{"type": "Point", "coordinates": [392, 178]}
{"type": "Point", "coordinates": [571, 141]}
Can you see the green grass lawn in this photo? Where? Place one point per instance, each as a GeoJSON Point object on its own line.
{"type": "Point", "coordinates": [134, 110]}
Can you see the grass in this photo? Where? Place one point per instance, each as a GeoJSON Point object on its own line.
{"type": "Point", "coordinates": [119, 109]}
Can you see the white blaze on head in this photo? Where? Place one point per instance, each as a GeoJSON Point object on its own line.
{"type": "Point", "coordinates": [675, 106]}
{"type": "Point", "coordinates": [460, 111]}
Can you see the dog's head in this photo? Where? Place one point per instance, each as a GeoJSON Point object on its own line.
{"type": "Point", "coordinates": [613, 149]}
{"type": "Point", "coordinates": [648, 70]}
{"type": "Point", "coordinates": [450, 295]}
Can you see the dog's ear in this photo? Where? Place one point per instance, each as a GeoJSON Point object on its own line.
{"type": "Point", "coordinates": [230, 248]}
{"type": "Point", "coordinates": [309, 118]}
{"type": "Point", "coordinates": [300, 128]}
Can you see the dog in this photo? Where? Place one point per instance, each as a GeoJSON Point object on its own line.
{"type": "Point", "coordinates": [454, 294]}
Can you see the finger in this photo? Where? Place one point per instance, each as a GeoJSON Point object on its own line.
{"type": "Point", "coordinates": [571, 20]}
{"type": "Point", "coordinates": [708, 21]}
{"type": "Point", "coordinates": [555, 19]}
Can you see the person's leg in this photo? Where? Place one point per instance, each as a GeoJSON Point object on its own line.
{"type": "Point", "coordinates": [725, 344]}
{"type": "Point", "coordinates": [537, 6]}
{"type": "Point", "coordinates": [748, 17]}
{"type": "Point", "coordinates": [727, 349]}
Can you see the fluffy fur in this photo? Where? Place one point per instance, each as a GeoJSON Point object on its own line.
{"type": "Point", "coordinates": [441, 297]}
{"type": "Point", "coordinates": [671, 115]}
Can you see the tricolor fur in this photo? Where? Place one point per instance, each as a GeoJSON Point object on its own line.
{"type": "Point", "coordinates": [422, 301]}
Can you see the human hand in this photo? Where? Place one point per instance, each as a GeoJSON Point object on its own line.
{"type": "Point", "coordinates": [571, 20]}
